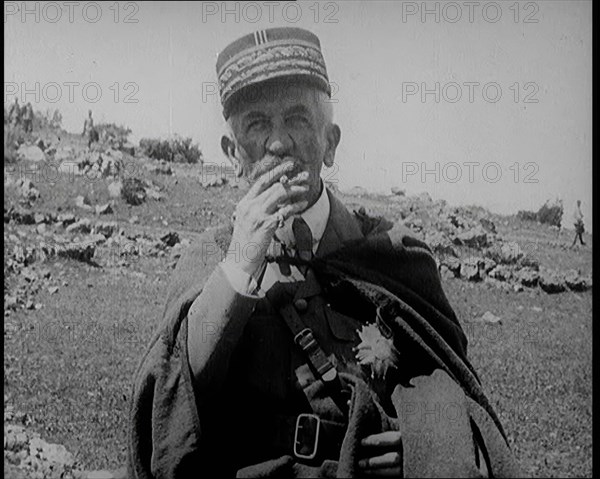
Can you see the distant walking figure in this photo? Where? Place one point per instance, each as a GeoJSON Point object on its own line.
{"type": "Point", "coordinates": [28, 118]}
{"type": "Point", "coordinates": [579, 229]}
{"type": "Point", "coordinates": [14, 114]}
{"type": "Point", "coordinates": [88, 128]}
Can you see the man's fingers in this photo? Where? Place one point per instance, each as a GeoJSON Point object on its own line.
{"type": "Point", "coordinates": [269, 178]}
{"type": "Point", "coordinates": [383, 439]}
{"type": "Point", "coordinates": [280, 195]}
{"type": "Point", "coordinates": [287, 211]}
{"type": "Point", "coordinates": [389, 459]}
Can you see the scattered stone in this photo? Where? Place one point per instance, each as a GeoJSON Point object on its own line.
{"type": "Point", "coordinates": [78, 251]}
{"type": "Point", "coordinates": [50, 151]}
{"type": "Point", "coordinates": [39, 218]}
{"type": "Point", "coordinates": [469, 269]}
{"type": "Point", "coordinates": [83, 202]}
{"type": "Point", "coordinates": [115, 188]}
{"type": "Point", "coordinates": [53, 289]}
{"type": "Point", "coordinates": [66, 219]}
{"type": "Point", "coordinates": [40, 229]}
{"type": "Point", "coordinates": [27, 189]}
{"type": "Point", "coordinates": [528, 277]}
{"type": "Point", "coordinates": [440, 243]}
{"type": "Point", "coordinates": [487, 264]}
{"type": "Point", "coordinates": [488, 225]}
{"type": "Point", "coordinates": [488, 318]}
{"type": "Point", "coordinates": [134, 219]}
{"type": "Point", "coordinates": [154, 194]}
{"type": "Point", "coordinates": [104, 209]}
{"type": "Point", "coordinates": [82, 226]}
{"type": "Point", "coordinates": [170, 239]}
{"type": "Point", "coordinates": [474, 238]}
{"type": "Point", "coordinates": [501, 273]}
{"type": "Point", "coordinates": [106, 228]}
{"type": "Point", "coordinates": [446, 273]}
{"type": "Point", "coordinates": [453, 264]}
{"type": "Point", "coordinates": [537, 309]}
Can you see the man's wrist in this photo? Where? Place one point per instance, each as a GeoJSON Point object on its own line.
{"type": "Point", "coordinates": [242, 281]}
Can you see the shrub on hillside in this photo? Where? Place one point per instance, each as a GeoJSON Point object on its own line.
{"type": "Point", "coordinates": [48, 120]}
{"type": "Point", "coordinates": [176, 150]}
{"type": "Point", "coordinates": [526, 215]}
{"type": "Point", "coordinates": [551, 213]}
{"type": "Point", "coordinates": [114, 136]}
{"type": "Point", "coordinates": [133, 191]}
{"type": "Point", "coordinates": [13, 138]}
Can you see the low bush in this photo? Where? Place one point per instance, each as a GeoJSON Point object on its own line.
{"type": "Point", "coordinates": [175, 150]}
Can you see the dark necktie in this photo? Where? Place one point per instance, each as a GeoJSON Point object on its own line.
{"type": "Point", "coordinates": [304, 242]}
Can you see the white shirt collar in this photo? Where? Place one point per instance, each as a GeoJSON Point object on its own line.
{"type": "Point", "coordinates": [316, 218]}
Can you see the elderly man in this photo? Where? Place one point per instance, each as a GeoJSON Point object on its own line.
{"type": "Point", "coordinates": [321, 344]}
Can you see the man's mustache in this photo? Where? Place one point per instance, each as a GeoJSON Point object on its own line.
{"type": "Point", "coordinates": [268, 162]}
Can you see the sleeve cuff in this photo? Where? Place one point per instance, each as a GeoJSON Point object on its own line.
{"type": "Point", "coordinates": [241, 281]}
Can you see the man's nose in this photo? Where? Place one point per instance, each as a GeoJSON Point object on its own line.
{"type": "Point", "coordinates": [280, 143]}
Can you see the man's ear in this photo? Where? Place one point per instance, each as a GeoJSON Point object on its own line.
{"type": "Point", "coordinates": [228, 147]}
{"type": "Point", "coordinates": [334, 135]}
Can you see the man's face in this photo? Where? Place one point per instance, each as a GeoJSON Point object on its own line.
{"type": "Point", "coordinates": [284, 121]}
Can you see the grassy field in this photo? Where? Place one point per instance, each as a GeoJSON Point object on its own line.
{"type": "Point", "coordinates": [70, 364]}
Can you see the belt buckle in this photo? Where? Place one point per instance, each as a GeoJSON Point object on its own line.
{"type": "Point", "coordinates": [306, 436]}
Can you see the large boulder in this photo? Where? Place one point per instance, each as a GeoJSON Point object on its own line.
{"type": "Point", "coordinates": [31, 153]}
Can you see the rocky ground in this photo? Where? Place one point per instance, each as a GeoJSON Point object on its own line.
{"type": "Point", "coordinates": [92, 236]}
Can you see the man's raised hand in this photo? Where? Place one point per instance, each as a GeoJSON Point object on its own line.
{"type": "Point", "coordinates": [259, 212]}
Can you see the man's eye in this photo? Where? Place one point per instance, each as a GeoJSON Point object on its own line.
{"type": "Point", "coordinates": [257, 124]}
{"type": "Point", "coordinates": [298, 120]}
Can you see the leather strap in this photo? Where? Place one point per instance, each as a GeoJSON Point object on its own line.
{"type": "Point", "coordinates": [319, 363]}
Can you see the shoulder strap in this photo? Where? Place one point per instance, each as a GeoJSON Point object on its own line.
{"type": "Point", "coordinates": [319, 363]}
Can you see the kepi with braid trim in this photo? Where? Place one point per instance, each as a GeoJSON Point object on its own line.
{"type": "Point", "coordinates": [273, 53]}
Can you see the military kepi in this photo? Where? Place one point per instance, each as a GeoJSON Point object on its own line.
{"type": "Point", "coordinates": [269, 54]}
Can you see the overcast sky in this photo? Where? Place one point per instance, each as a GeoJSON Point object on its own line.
{"type": "Point", "coordinates": [477, 103]}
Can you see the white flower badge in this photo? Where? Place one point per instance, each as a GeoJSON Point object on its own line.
{"type": "Point", "coordinates": [377, 351]}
